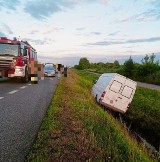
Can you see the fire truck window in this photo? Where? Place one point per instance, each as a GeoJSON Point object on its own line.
{"type": "Point", "coordinates": [31, 54]}
{"type": "Point", "coordinates": [25, 52]}
{"type": "Point", "coordinates": [21, 51]}
{"type": "Point", "coordinates": [36, 56]}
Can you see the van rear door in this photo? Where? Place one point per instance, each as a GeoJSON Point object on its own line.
{"type": "Point", "coordinates": [112, 93]}
{"type": "Point", "coordinates": [124, 98]}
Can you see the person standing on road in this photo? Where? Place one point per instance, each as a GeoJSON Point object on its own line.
{"type": "Point", "coordinates": [65, 71]}
{"type": "Point", "coordinates": [59, 71]}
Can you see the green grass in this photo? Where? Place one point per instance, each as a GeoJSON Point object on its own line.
{"type": "Point", "coordinates": [144, 111]}
{"type": "Point", "coordinates": [108, 132]}
{"type": "Point", "coordinates": [103, 132]}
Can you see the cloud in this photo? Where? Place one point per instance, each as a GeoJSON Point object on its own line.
{"type": "Point", "coordinates": [2, 34]}
{"type": "Point", "coordinates": [9, 4]}
{"type": "Point", "coordinates": [152, 39]}
{"type": "Point", "coordinates": [40, 41]}
{"type": "Point", "coordinates": [107, 43]}
{"type": "Point", "coordinates": [104, 1]}
{"type": "Point", "coordinates": [43, 9]}
{"type": "Point", "coordinates": [95, 33]}
{"type": "Point", "coordinates": [37, 41]}
{"type": "Point", "coordinates": [55, 29]}
{"type": "Point", "coordinates": [6, 28]}
{"type": "Point", "coordinates": [80, 29]}
{"type": "Point", "coordinates": [152, 14]}
{"type": "Point", "coordinates": [155, 3]}
{"type": "Point", "coordinates": [33, 32]}
{"type": "Point", "coordinates": [114, 33]}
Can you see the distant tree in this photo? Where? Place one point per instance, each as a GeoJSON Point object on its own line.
{"type": "Point", "coordinates": [150, 59]}
{"type": "Point", "coordinates": [116, 63]}
{"type": "Point", "coordinates": [76, 66]}
{"type": "Point", "coordinates": [129, 67]}
{"type": "Point", "coordinates": [100, 63]}
{"type": "Point", "coordinates": [83, 63]}
{"type": "Point", "coordinates": [149, 66]}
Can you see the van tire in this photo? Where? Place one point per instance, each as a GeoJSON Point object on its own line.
{"type": "Point", "coordinates": [96, 99]}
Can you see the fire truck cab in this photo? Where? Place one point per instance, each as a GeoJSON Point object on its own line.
{"type": "Point", "coordinates": [15, 57]}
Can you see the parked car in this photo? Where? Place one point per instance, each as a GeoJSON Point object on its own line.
{"type": "Point", "coordinates": [114, 91]}
{"type": "Point", "coordinates": [49, 70]}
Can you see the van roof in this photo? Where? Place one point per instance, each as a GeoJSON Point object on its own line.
{"type": "Point", "coordinates": [108, 74]}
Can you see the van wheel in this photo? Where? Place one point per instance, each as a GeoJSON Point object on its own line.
{"type": "Point", "coordinates": [96, 99]}
{"type": "Point", "coordinates": [25, 78]}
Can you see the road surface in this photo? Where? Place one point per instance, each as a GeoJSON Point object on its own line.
{"type": "Point", "coordinates": [22, 108]}
{"type": "Point", "coordinates": [150, 86]}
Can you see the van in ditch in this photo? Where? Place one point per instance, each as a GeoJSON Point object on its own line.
{"type": "Point", "coordinates": [114, 91]}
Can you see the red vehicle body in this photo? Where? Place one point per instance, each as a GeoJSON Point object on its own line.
{"type": "Point", "coordinates": [15, 57]}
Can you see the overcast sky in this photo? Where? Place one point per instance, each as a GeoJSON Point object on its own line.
{"type": "Point", "coordinates": [83, 28]}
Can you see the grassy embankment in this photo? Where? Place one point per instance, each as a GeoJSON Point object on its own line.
{"type": "Point", "coordinates": [144, 112]}
{"type": "Point", "coordinates": [76, 129]}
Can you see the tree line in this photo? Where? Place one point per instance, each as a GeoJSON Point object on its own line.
{"type": "Point", "coordinates": [148, 71]}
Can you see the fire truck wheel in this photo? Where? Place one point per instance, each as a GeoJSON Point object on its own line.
{"type": "Point", "coordinates": [25, 79]}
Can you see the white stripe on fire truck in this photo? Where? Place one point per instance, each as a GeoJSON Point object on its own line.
{"type": "Point", "coordinates": [13, 91]}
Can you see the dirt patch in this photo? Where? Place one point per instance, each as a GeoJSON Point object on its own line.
{"type": "Point", "coordinates": [71, 142]}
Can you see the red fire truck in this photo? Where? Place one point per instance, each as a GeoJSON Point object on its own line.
{"type": "Point", "coordinates": [17, 59]}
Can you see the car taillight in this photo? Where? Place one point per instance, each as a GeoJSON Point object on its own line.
{"type": "Point", "coordinates": [19, 61]}
{"type": "Point", "coordinates": [103, 94]}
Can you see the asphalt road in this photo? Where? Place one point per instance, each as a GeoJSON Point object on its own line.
{"type": "Point", "coordinates": [150, 86]}
{"type": "Point", "coordinates": [22, 108]}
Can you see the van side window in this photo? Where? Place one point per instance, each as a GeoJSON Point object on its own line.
{"type": "Point", "coordinates": [116, 86]}
{"type": "Point", "coordinates": [127, 91]}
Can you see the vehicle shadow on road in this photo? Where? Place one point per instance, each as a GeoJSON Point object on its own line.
{"type": "Point", "coordinates": [11, 80]}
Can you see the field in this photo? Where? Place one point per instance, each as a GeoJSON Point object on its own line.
{"type": "Point", "coordinates": [144, 112]}
{"type": "Point", "coordinates": [77, 129]}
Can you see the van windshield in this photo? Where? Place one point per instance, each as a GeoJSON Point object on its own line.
{"type": "Point", "coordinates": [9, 49]}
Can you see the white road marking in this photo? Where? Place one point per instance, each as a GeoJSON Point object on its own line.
{"type": "Point", "coordinates": [1, 98]}
{"type": "Point", "coordinates": [29, 84]}
{"type": "Point", "coordinates": [23, 87]}
{"type": "Point", "coordinates": [13, 91]}
{"type": "Point", "coordinates": [51, 79]}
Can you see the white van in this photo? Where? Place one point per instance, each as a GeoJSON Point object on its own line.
{"type": "Point", "coordinates": [114, 91]}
